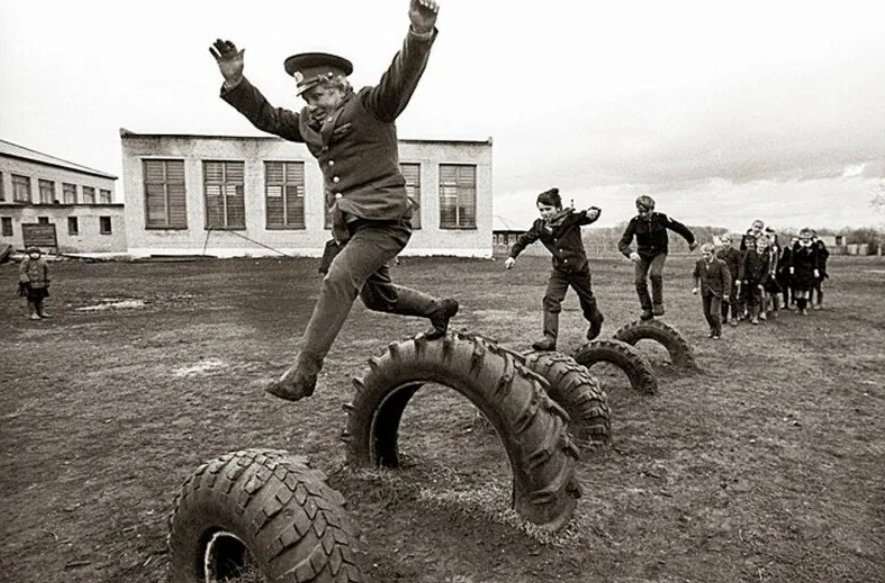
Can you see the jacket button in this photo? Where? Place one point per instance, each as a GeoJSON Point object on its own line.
{"type": "Point", "coordinates": [336, 180]}
{"type": "Point", "coordinates": [331, 162]}
{"type": "Point", "coordinates": [338, 196]}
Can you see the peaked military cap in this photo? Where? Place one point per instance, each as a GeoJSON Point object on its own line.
{"type": "Point", "coordinates": [308, 69]}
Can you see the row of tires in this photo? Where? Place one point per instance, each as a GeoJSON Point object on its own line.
{"type": "Point", "coordinates": [267, 512]}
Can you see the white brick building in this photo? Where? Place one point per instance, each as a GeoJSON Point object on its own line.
{"type": "Point", "coordinates": [36, 188]}
{"type": "Point", "coordinates": [251, 196]}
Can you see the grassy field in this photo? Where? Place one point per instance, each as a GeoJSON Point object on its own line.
{"type": "Point", "coordinates": [766, 466]}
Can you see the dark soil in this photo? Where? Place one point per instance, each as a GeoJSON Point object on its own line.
{"type": "Point", "coordinates": [768, 465]}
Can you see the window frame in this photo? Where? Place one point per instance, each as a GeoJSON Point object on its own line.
{"type": "Point", "coordinates": [415, 192]}
{"type": "Point", "coordinates": [167, 196]}
{"type": "Point", "coordinates": [65, 192]}
{"type": "Point", "coordinates": [73, 226]}
{"type": "Point", "coordinates": [286, 225]}
{"type": "Point", "coordinates": [101, 225]}
{"type": "Point", "coordinates": [240, 190]}
{"type": "Point", "coordinates": [26, 184]}
{"type": "Point", "coordinates": [6, 227]}
{"type": "Point", "coordinates": [86, 194]}
{"type": "Point", "coordinates": [457, 185]}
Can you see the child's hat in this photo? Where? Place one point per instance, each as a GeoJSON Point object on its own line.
{"type": "Point", "coordinates": [32, 249]}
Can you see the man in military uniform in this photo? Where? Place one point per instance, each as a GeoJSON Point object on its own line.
{"type": "Point", "coordinates": [353, 137]}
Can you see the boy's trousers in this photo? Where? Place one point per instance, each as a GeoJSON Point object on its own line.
{"type": "Point", "coordinates": [712, 312]}
{"type": "Point", "coordinates": [360, 268]}
{"type": "Point", "coordinates": [653, 269]}
{"type": "Point", "coordinates": [558, 285]}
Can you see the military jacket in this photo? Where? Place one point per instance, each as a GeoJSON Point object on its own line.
{"type": "Point", "coordinates": [356, 146]}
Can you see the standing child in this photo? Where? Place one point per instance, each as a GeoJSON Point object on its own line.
{"type": "Point", "coordinates": [771, 287]}
{"type": "Point", "coordinates": [754, 270]}
{"type": "Point", "coordinates": [817, 289]}
{"type": "Point", "coordinates": [650, 230]}
{"type": "Point", "coordinates": [732, 258]}
{"type": "Point", "coordinates": [713, 277]}
{"type": "Point", "coordinates": [34, 282]}
{"type": "Point", "coordinates": [805, 269]}
{"type": "Point", "coordinates": [784, 279]}
{"type": "Point", "coordinates": [560, 232]}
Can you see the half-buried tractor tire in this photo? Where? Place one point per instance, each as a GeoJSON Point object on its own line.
{"type": "Point", "coordinates": [624, 356]}
{"type": "Point", "coordinates": [673, 340]}
{"type": "Point", "coordinates": [531, 426]}
{"type": "Point", "coordinates": [578, 392]}
{"type": "Point", "coordinates": [260, 515]}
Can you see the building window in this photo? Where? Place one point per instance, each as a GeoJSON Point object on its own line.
{"type": "Point", "coordinates": [73, 226]}
{"type": "Point", "coordinates": [6, 225]}
{"type": "Point", "coordinates": [165, 197]}
{"type": "Point", "coordinates": [104, 225]}
{"type": "Point", "coordinates": [457, 196]}
{"type": "Point", "coordinates": [21, 188]}
{"type": "Point", "coordinates": [42, 220]}
{"type": "Point", "coordinates": [104, 196]}
{"type": "Point", "coordinates": [284, 194]}
{"type": "Point", "coordinates": [412, 174]}
{"type": "Point", "coordinates": [224, 191]}
{"type": "Point", "coordinates": [47, 191]}
{"type": "Point", "coordinates": [69, 193]}
{"type": "Point", "coordinates": [2, 191]}
{"type": "Point", "coordinates": [88, 195]}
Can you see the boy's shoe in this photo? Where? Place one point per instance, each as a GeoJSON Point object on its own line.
{"type": "Point", "coordinates": [754, 321]}
{"type": "Point", "coordinates": [817, 307]}
{"type": "Point", "coordinates": [33, 316]}
{"type": "Point", "coordinates": [711, 334]}
{"type": "Point", "coordinates": [546, 344]}
{"type": "Point", "coordinates": [803, 311]}
{"type": "Point", "coordinates": [762, 316]}
{"type": "Point", "coordinates": [733, 323]}
{"type": "Point", "coordinates": [646, 315]}
{"type": "Point", "coordinates": [440, 318]}
{"type": "Point", "coordinates": [298, 382]}
{"type": "Point", "coordinates": [595, 326]}
{"type": "Point", "coordinates": [657, 310]}
{"type": "Point", "coordinates": [715, 336]}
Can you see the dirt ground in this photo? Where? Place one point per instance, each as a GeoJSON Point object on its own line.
{"type": "Point", "coordinates": [767, 466]}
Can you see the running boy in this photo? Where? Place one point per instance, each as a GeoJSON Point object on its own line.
{"type": "Point", "coordinates": [559, 230]}
{"type": "Point", "coordinates": [650, 230]}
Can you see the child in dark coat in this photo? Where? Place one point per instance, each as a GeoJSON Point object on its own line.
{"type": "Point", "coordinates": [752, 275]}
{"type": "Point", "coordinates": [34, 282]}
{"type": "Point", "coordinates": [650, 229]}
{"type": "Point", "coordinates": [560, 232]}
{"type": "Point", "coordinates": [732, 258]}
{"type": "Point", "coordinates": [817, 289]}
{"type": "Point", "coordinates": [713, 277]}
{"type": "Point", "coordinates": [804, 268]}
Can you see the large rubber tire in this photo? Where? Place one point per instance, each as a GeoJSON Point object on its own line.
{"type": "Point", "coordinates": [263, 510]}
{"type": "Point", "coordinates": [578, 392]}
{"type": "Point", "coordinates": [531, 426]}
{"type": "Point", "coordinates": [677, 347]}
{"type": "Point", "coordinates": [624, 356]}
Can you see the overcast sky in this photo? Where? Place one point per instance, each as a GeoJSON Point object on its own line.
{"type": "Point", "coordinates": [724, 112]}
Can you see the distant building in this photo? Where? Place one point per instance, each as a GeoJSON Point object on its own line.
{"type": "Point", "coordinates": [251, 196]}
{"type": "Point", "coordinates": [79, 202]}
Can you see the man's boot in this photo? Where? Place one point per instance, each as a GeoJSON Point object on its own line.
{"type": "Point", "coordinates": [440, 316]}
{"type": "Point", "coordinates": [551, 331]}
{"type": "Point", "coordinates": [299, 381]}
{"type": "Point", "coordinates": [595, 325]}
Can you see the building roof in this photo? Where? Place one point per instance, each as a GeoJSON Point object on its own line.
{"type": "Point", "coordinates": [124, 134]}
{"type": "Point", "coordinates": [22, 153]}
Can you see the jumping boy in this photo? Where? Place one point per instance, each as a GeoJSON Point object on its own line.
{"type": "Point", "coordinates": [560, 232]}
{"type": "Point", "coordinates": [650, 230]}
{"type": "Point", "coordinates": [713, 278]}
{"type": "Point", "coordinates": [353, 136]}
